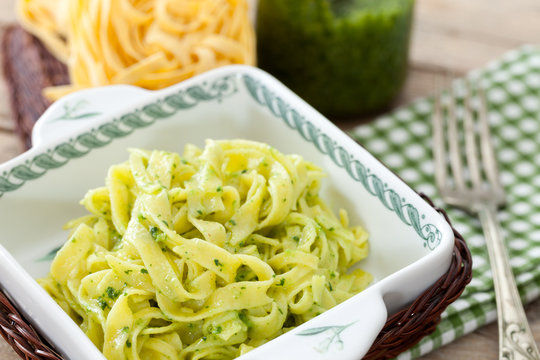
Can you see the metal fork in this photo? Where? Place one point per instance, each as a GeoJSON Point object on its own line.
{"type": "Point", "coordinates": [467, 177]}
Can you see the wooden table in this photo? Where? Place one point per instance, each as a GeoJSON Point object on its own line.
{"type": "Point", "coordinates": [450, 36]}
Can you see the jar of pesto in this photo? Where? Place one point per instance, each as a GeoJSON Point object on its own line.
{"type": "Point", "coordinates": [344, 57]}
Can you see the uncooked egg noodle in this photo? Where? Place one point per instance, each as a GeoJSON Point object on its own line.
{"type": "Point", "coordinates": [205, 255]}
{"type": "Point", "coordinates": [147, 43]}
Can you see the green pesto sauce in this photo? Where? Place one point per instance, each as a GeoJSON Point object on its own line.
{"type": "Point", "coordinates": [344, 57]}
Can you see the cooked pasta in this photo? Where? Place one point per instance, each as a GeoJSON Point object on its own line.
{"type": "Point", "coordinates": [148, 43]}
{"type": "Point", "coordinates": [204, 255]}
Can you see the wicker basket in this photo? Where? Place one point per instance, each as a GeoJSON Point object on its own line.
{"type": "Point", "coordinates": [403, 330]}
{"type": "Point", "coordinates": [28, 68]}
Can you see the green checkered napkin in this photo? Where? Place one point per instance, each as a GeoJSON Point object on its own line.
{"type": "Point", "coordinates": [402, 140]}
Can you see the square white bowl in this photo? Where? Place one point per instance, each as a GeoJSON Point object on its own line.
{"type": "Point", "coordinates": [81, 135]}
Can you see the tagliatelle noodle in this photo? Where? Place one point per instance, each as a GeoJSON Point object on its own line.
{"type": "Point", "coordinates": [205, 255]}
{"type": "Point", "coordinates": [147, 43]}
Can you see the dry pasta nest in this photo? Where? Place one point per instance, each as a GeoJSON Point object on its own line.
{"type": "Point", "coordinates": [148, 43]}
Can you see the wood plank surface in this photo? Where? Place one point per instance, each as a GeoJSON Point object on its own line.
{"type": "Point", "coordinates": [449, 36]}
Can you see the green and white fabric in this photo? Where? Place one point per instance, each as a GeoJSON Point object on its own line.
{"type": "Point", "coordinates": [402, 140]}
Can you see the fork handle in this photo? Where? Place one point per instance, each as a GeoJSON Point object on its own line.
{"type": "Point", "coordinates": [515, 337]}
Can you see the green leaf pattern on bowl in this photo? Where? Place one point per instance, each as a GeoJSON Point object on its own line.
{"type": "Point", "coordinates": [333, 336]}
{"type": "Point", "coordinates": [72, 111]}
{"type": "Point", "coordinates": [118, 127]}
{"type": "Point", "coordinates": [407, 213]}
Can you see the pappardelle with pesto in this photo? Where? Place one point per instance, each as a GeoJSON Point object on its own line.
{"type": "Point", "coordinates": [204, 255]}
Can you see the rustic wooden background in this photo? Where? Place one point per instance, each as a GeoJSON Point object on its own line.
{"type": "Point", "coordinates": [449, 36]}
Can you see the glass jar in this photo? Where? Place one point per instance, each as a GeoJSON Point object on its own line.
{"type": "Point", "coordinates": [344, 57]}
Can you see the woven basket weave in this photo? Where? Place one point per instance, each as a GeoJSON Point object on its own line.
{"type": "Point", "coordinates": [28, 68]}
{"type": "Point", "coordinates": [22, 53]}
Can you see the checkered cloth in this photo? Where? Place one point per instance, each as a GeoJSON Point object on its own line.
{"type": "Point", "coordinates": [402, 140]}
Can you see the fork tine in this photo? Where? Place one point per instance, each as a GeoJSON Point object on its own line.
{"type": "Point", "coordinates": [439, 146]}
{"type": "Point", "coordinates": [453, 142]}
{"type": "Point", "coordinates": [486, 143]}
{"type": "Point", "coordinates": [471, 149]}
